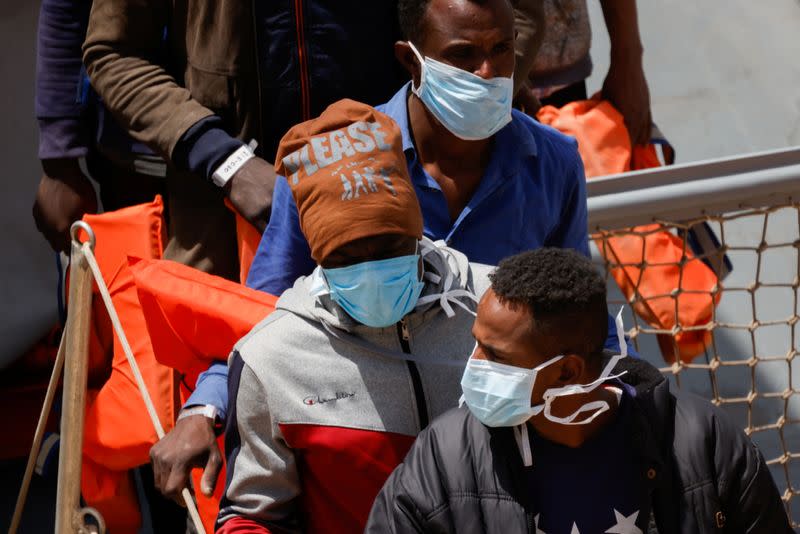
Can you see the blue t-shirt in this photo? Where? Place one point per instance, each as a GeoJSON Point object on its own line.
{"type": "Point", "coordinates": [595, 488]}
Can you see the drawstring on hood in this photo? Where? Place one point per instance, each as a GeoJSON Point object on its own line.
{"type": "Point", "coordinates": [448, 293]}
{"type": "Point", "coordinates": [447, 282]}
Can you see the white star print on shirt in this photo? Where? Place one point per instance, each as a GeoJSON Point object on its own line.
{"type": "Point", "coordinates": [625, 525]}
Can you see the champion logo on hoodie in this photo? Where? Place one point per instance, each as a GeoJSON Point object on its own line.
{"type": "Point", "coordinates": [316, 399]}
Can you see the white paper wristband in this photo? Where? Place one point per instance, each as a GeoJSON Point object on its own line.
{"type": "Point", "coordinates": [207, 410]}
{"type": "Point", "coordinates": [225, 172]}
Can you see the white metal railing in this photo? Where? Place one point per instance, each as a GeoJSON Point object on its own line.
{"type": "Point", "coordinates": [689, 191]}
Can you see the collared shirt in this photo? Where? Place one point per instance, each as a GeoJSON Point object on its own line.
{"type": "Point", "coordinates": [532, 194]}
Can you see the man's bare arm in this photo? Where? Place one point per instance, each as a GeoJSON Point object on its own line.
{"type": "Point", "coordinates": [625, 85]}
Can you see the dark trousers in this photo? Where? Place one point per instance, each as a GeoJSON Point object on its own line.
{"type": "Point", "coordinates": [120, 184]}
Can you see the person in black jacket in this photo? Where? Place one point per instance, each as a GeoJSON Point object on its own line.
{"type": "Point", "coordinates": [557, 436]}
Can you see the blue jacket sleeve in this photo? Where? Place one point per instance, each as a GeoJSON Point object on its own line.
{"type": "Point", "coordinates": [204, 147]}
{"type": "Point", "coordinates": [64, 127]}
{"type": "Point", "coordinates": [212, 388]}
{"type": "Point", "coordinates": [283, 254]}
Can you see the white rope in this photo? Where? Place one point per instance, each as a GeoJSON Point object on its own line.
{"type": "Point", "coordinates": [151, 410]}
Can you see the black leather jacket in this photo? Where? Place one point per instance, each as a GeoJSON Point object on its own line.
{"type": "Point", "coordinates": [702, 474]}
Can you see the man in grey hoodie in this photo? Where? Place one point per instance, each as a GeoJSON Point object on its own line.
{"type": "Point", "coordinates": [329, 392]}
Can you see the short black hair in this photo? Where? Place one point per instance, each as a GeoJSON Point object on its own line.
{"type": "Point", "coordinates": [411, 16]}
{"type": "Point", "coordinates": [564, 293]}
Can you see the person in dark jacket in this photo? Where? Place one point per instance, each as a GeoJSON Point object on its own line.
{"type": "Point", "coordinates": [558, 436]}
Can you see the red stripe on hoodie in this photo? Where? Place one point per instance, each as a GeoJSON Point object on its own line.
{"type": "Point", "coordinates": [242, 525]}
{"type": "Point", "coordinates": [341, 472]}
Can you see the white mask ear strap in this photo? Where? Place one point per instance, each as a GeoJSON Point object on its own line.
{"type": "Point", "coordinates": [447, 297]}
{"type": "Point", "coordinates": [432, 277]}
{"type": "Point", "coordinates": [554, 359]}
{"type": "Point", "coordinates": [524, 444]}
{"type": "Point", "coordinates": [623, 347]}
{"type": "Point", "coordinates": [421, 68]}
{"type": "Point", "coordinates": [416, 52]}
{"type": "Point", "coordinates": [623, 352]}
{"type": "Point", "coordinates": [599, 406]}
{"type": "Point", "coordinates": [577, 389]}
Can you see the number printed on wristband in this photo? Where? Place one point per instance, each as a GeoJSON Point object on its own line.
{"type": "Point", "coordinates": [229, 167]}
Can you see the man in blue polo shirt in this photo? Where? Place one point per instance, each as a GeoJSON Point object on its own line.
{"type": "Point", "coordinates": [491, 182]}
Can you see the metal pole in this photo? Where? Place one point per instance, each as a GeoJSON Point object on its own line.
{"type": "Point", "coordinates": [690, 172]}
{"type": "Point", "coordinates": [75, 377]}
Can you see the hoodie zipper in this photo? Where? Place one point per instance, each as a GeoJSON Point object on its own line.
{"type": "Point", "coordinates": [419, 395]}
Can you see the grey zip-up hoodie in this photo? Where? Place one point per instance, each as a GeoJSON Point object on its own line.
{"type": "Point", "coordinates": [324, 407]}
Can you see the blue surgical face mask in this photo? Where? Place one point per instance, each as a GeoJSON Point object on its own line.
{"type": "Point", "coordinates": [376, 293]}
{"type": "Point", "coordinates": [500, 395]}
{"type": "Point", "coordinates": [469, 106]}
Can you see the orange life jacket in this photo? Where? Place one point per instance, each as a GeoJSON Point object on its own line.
{"type": "Point", "coordinates": [194, 318]}
{"type": "Point", "coordinates": [605, 148]}
{"type": "Point", "coordinates": [202, 315]}
{"type": "Point", "coordinates": [118, 432]}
